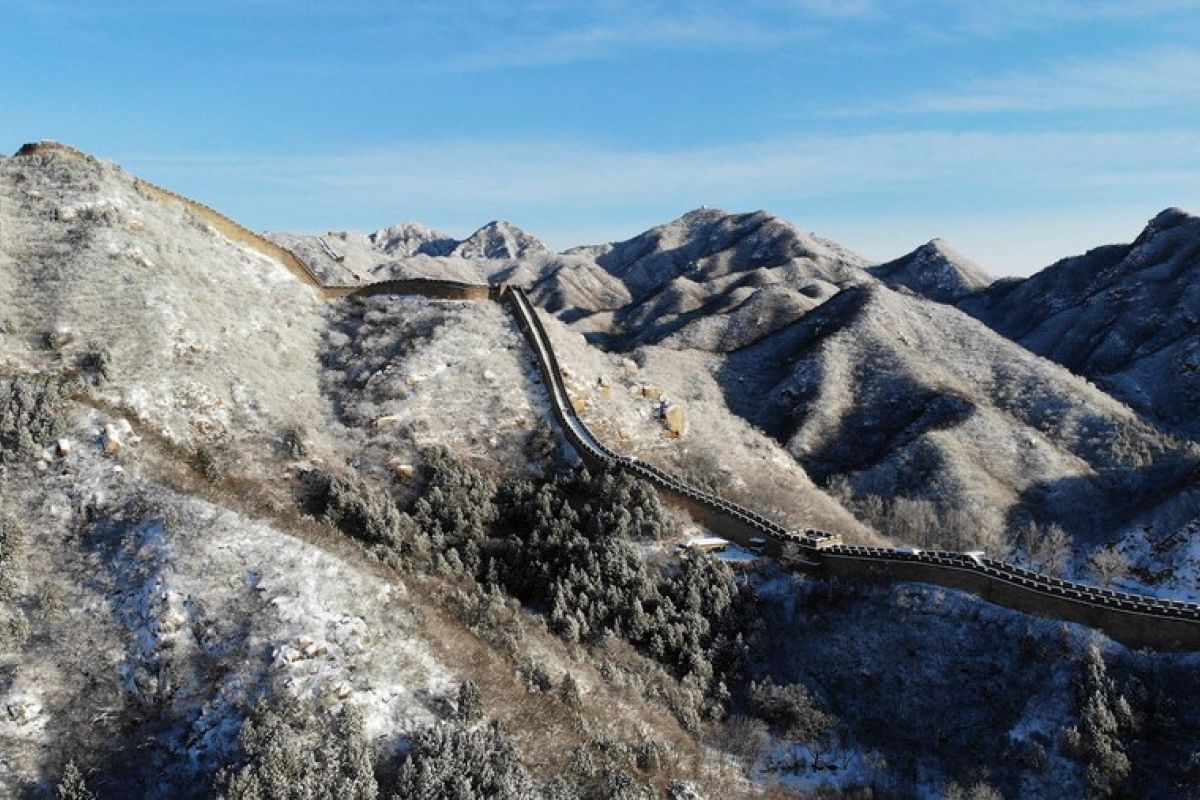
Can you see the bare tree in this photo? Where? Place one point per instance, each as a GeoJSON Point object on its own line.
{"type": "Point", "coordinates": [1052, 550]}
{"type": "Point", "coordinates": [1108, 565]}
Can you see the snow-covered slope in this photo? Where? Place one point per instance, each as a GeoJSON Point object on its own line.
{"type": "Point", "coordinates": [934, 270]}
{"type": "Point", "coordinates": [199, 336]}
{"type": "Point", "coordinates": [166, 578]}
{"type": "Point", "coordinates": [689, 281]}
{"type": "Point", "coordinates": [1125, 316]}
{"type": "Point", "coordinates": [905, 397]}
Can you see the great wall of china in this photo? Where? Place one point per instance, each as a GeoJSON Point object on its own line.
{"type": "Point", "coordinates": [1133, 619]}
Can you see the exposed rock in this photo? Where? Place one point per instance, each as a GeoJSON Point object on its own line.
{"type": "Point", "coordinates": [22, 712]}
{"type": "Point", "coordinates": [110, 440]}
{"type": "Point", "coordinates": [676, 420]}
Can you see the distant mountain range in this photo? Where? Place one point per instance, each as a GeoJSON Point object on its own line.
{"type": "Point", "coordinates": [919, 378]}
{"type": "Point", "coordinates": [1125, 317]}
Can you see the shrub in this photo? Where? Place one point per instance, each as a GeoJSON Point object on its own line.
{"type": "Point", "coordinates": [978, 791]}
{"type": "Point", "coordinates": [296, 750]}
{"type": "Point", "coordinates": [568, 690]}
{"type": "Point", "coordinates": [294, 441]}
{"type": "Point", "coordinates": [681, 790]}
{"type": "Point", "coordinates": [207, 464]}
{"type": "Point", "coordinates": [72, 786]}
{"type": "Point", "coordinates": [31, 414]}
{"type": "Point", "coordinates": [536, 678]}
{"type": "Point", "coordinates": [456, 510]}
{"type": "Point", "coordinates": [448, 761]}
{"type": "Point", "coordinates": [470, 703]}
{"type": "Point", "coordinates": [791, 710]}
{"type": "Point", "coordinates": [1108, 565]}
{"type": "Point", "coordinates": [1103, 717]}
{"type": "Point", "coordinates": [361, 511]}
{"type": "Point", "coordinates": [10, 536]}
{"type": "Point", "coordinates": [96, 364]}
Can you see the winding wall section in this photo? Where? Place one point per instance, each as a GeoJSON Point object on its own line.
{"type": "Point", "coordinates": [1136, 620]}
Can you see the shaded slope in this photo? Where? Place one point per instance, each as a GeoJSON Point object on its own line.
{"type": "Point", "coordinates": [1123, 315]}
{"type": "Point", "coordinates": [909, 398]}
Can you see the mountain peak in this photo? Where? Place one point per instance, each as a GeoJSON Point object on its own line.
{"type": "Point", "coordinates": [499, 239]}
{"type": "Point", "coordinates": [411, 238]}
{"type": "Point", "coordinates": [1163, 221]}
{"type": "Point", "coordinates": [934, 270]}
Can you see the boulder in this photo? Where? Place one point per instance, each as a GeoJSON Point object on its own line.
{"type": "Point", "coordinates": [676, 420]}
{"type": "Point", "coordinates": [110, 440]}
{"type": "Point", "coordinates": [23, 712]}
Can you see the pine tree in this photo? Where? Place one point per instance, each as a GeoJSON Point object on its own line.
{"type": "Point", "coordinates": [470, 703]}
{"type": "Point", "coordinates": [568, 690]}
{"type": "Point", "coordinates": [72, 786]}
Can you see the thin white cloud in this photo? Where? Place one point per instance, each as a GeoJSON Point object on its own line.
{"type": "Point", "coordinates": [1166, 77]}
{"type": "Point", "coordinates": [555, 188]}
{"type": "Point", "coordinates": [613, 35]}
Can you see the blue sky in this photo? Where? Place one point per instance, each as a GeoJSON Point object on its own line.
{"type": "Point", "coordinates": [1019, 130]}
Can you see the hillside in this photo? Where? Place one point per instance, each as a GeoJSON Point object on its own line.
{"type": "Point", "coordinates": [1121, 315]}
{"type": "Point", "coordinates": [892, 397]}
{"type": "Point", "coordinates": [928, 425]}
{"type": "Point", "coordinates": [250, 535]}
{"type": "Point", "coordinates": [159, 578]}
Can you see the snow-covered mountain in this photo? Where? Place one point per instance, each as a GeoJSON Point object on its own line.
{"type": "Point", "coordinates": [1125, 316]}
{"type": "Point", "coordinates": [410, 239]}
{"type": "Point", "coordinates": [709, 279]}
{"type": "Point", "coordinates": [934, 270]}
{"type": "Point", "coordinates": [497, 240]}
{"type": "Point", "coordinates": [894, 396]}
{"type": "Point", "coordinates": [411, 249]}
{"type": "Point", "coordinates": [219, 498]}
